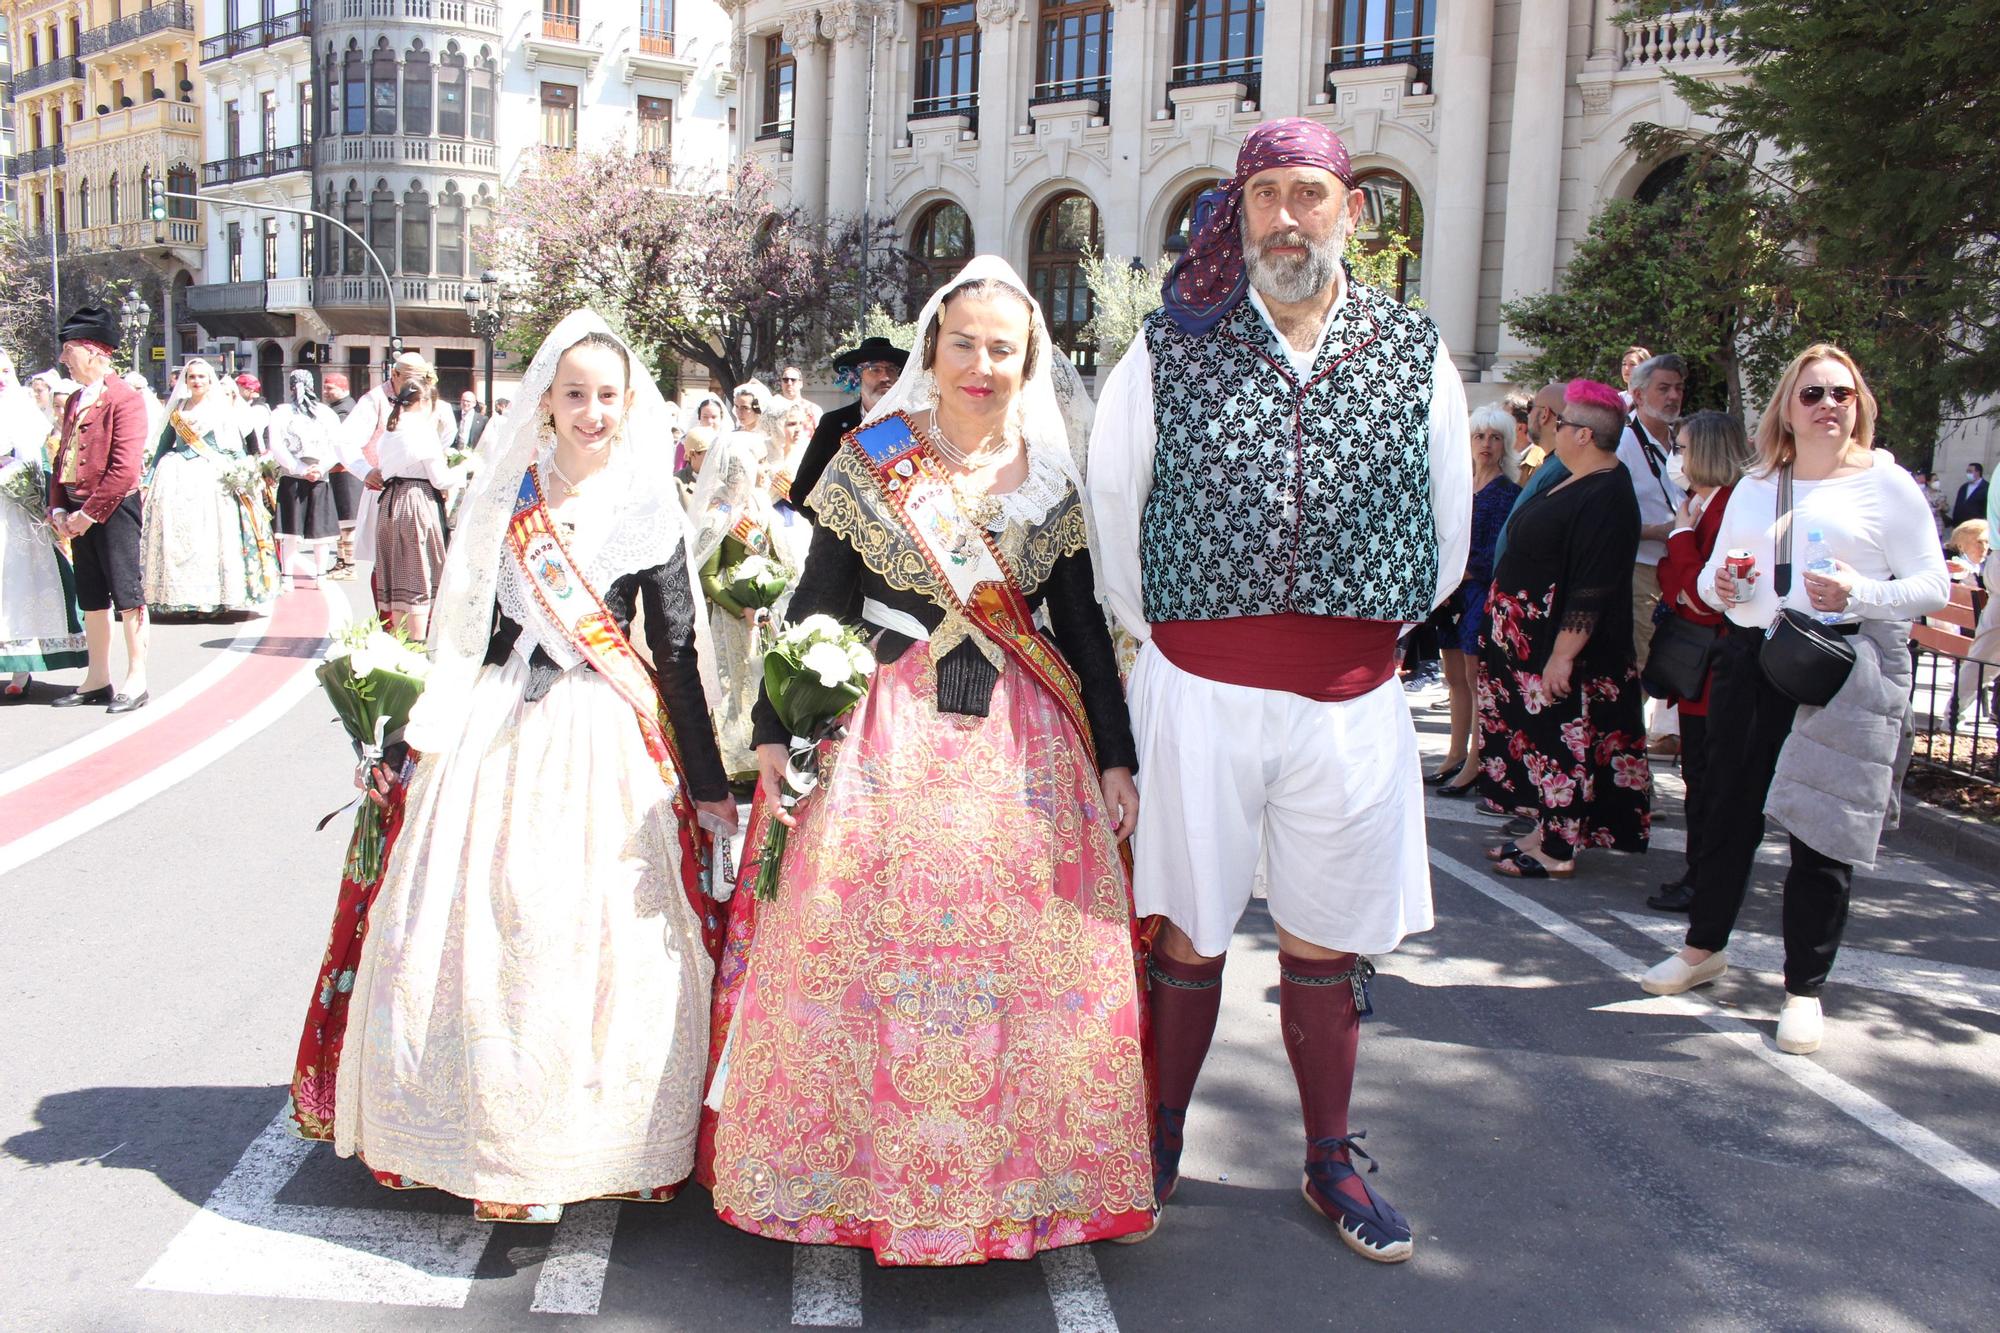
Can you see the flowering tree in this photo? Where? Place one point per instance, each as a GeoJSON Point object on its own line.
{"type": "Point", "coordinates": [718, 277]}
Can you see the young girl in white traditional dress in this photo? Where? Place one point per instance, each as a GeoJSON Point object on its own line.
{"type": "Point", "coordinates": [529, 1022]}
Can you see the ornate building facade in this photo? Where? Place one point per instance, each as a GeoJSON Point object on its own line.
{"type": "Point", "coordinates": [1487, 131]}
{"type": "Point", "coordinates": [105, 103]}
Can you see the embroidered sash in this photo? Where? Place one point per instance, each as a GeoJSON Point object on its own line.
{"type": "Point", "coordinates": [970, 578]}
{"type": "Point", "coordinates": [550, 573]}
{"type": "Point", "coordinates": [194, 440]}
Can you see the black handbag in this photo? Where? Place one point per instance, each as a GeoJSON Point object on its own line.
{"type": "Point", "coordinates": [1677, 663]}
{"type": "Point", "coordinates": [1805, 660]}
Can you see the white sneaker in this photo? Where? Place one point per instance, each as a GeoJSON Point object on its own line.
{"type": "Point", "coordinates": [1800, 1026]}
{"type": "Point", "coordinates": [1672, 975]}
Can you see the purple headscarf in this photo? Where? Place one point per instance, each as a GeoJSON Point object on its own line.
{"type": "Point", "coordinates": [1211, 278]}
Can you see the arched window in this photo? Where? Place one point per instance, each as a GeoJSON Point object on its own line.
{"type": "Point", "coordinates": [354, 260]}
{"type": "Point", "coordinates": [416, 229]}
{"type": "Point", "coordinates": [382, 222]}
{"type": "Point", "coordinates": [451, 232]}
{"type": "Point", "coordinates": [417, 89]}
{"type": "Point", "coordinates": [327, 251]}
{"type": "Point", "coordinates": [354, 90]}
{"type": "Point", "coordinates": [1066, 224]}
{"type": "Point", "coordinates": [180, 180]}
{"type": "Point", "coordinates": [1180, 222]}
{"type": "Point", "coordinates": [382, 89]}
{"type": "Point", "coordinates": [1664, 179]}
{"type": "Point", "coordinates": [113, 208]}
{"type": "Point", "coordinates": [481, 222]}
{"type": "Point", "coordinates": [940, 243]}
{"type": "Point", "coordinates": [451, 94]}
{"type": "Point", "coordinates": [83, 204]}
{"type": "Point", "coordinates": [1390, 204]}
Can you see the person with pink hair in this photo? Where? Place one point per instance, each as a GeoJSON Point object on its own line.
{"type": "Point", "coordinates": [1561, 714]}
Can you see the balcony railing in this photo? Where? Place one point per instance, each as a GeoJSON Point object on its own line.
{"type": "Point", "coordinates": [1420, 51]}
{"type": "Point", "coordinates": [160, 18]}
{"type": "Point", "coordinates": [180, 118]}
{"type": "Point", "coordinates": [402, 150]}
{"type": "Point", "coordinates": [349, 291]}
{"type": "Point", "coordinates": [139, 234]}
{"type": "Point", "coordinates": [256, 36]}
{"type": "Point", "coordinates": [41, 159]}
{"type": "Point", "coordinates": [1695, 34]}
{"type": "Point", "coordinates": [656, 42]}
{"type": "Point", "coordinates": [1071, 90]}
{"type": "Point", "coordinates": [44, 74]}
{"type": "Point", "coordinates": [560, 27]}
{"type": "Point", "coordinates": [456, 13]}
{"type": "Point", "coordinates": [225, 298]}
{"type": "Point", "coordinates": [950, 104]}
{"type": "Point", "coordinates": [255, 166]}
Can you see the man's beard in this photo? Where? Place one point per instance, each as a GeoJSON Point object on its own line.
{"type": "Point", "coordinates": [1287, 280]}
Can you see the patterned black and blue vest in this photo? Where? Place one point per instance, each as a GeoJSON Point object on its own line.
{"type": "Point", "coordinates": [1270, 496]}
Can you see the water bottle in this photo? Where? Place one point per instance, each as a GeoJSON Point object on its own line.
{"type": "Point", "coordinates": [1819, 560]}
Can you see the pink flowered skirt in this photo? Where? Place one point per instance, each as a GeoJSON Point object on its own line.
{"type": "Point", "coordinates": [933, 1043]}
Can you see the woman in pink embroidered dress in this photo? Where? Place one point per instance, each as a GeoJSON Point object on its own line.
{"type": "Point", "coordinates": [933, 1034]}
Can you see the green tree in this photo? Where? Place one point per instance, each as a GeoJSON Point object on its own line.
{"type": "Point", "coordinates": [1699, 271]}
{"type": "Point", "coordinates": [1882, 118]}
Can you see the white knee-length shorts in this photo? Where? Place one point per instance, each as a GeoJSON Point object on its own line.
{"type": "Point", "coordinates": [1324, 800]}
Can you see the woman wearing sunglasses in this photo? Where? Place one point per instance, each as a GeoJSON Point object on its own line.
{"type": "Point", "coordinates": [1829, 775]}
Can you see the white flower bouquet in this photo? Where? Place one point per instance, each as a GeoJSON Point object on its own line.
{"type": "Point", "coordinates": [757, 580]}
{"type": "Point", "coordinates": [374, 678]}
{"type": "Point", "coordinates": [24, 484]}
{"type": "Point", "coordinates": [243, 476]}
{"type": "Point", "coordinates": [814, 672]}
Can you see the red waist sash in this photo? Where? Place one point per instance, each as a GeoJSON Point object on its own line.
{"type": "Point", "coordinates": [1329, 658]}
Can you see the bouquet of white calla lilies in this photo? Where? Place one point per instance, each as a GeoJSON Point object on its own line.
{"type": "Point", "coordinates": [814, 673]}
{"type": "Point", "coordinates": [373, 678]}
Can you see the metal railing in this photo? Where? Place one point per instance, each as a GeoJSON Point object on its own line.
{"type": "Point", "coordinates": [1420, 50]}
{"type": "Point", "coordinates": [1700, 32]}
{"type": "Point", "coordinates": [1070, 90]}
{"type": "Point", "coordinates": [254, 166]}
{"type": "Point", "coordinates": [44, 74]}
{"type": "Point", "coordinates": [347, 150]}
{"type": "Point", "coordinates": [1954, 699]}
{"type": "Point", "coordinates": [173, 14]}
{"type": "Point", "coordinates": [457, 13]}
{"type": "Point", "coordinates": [41, 159]}
{"type": "Point", "coordinates": [559, 26]}
{"type": "Point", "coordinates": [256, 36]}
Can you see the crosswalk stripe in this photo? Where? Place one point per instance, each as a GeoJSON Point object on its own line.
{"type": "Point", "coordinates": [572, 1280]}
{"type": "Point", "coordinates": [1076, 1289]}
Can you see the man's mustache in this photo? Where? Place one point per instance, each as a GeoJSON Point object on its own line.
{"type": "Point", "coordinates": [1290, 238]}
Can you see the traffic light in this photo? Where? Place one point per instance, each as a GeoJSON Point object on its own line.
{"type": "Point", "coordinates": [156, 206]}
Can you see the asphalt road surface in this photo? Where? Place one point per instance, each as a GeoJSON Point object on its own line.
{"type": "Point", "coordinates": [1572, 1152]}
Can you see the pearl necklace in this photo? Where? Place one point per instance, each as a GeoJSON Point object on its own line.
{"type": "Point", "coordinates": [970, 460]}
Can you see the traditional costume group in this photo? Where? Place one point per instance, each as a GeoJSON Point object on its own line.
{"type": "Point", "coordinates": [933, 1043]}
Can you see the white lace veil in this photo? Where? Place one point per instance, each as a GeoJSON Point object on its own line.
{"type": "Point", "coordinates": [731, 472]}
{"type": "Point", "coordinates": [642, 491]}
{"type": "Point", "coordinates": [1054, 409]}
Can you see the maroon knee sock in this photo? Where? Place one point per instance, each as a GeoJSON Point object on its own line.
{"type": "Point", "coordinates": [1185, 998]}
{"type": "Point", "coordinates": [1322, 1031]}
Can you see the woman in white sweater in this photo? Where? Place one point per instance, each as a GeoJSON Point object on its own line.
{"type": "Point", "coordinates": [1887, 571]}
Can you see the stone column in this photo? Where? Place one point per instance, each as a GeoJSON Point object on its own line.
{"type": "Point", "coordinates": [809, 112]}
{"type": "Point", "coordinates": [1457, 223]}
{"type": "Point", "coordinates": [848, 25]}
{"type": "Point", "coordinates": [1287, 39]}
{"type": "Point", "coordinates": [1534, 158]}
{"type": "Point", "coordinates": [1000, 111]}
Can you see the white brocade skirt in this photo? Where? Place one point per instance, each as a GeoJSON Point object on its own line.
{"type": "Point", "coordinates": [530, 1019]}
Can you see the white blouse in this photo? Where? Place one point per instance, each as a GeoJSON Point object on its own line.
{"type": "Point", "coordinates": [416, 449]}
{"type": "Point", "coordinates": [1876, 522]}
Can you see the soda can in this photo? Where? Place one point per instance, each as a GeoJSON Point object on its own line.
{"type": "Point", "coordinates": [1742, 566]}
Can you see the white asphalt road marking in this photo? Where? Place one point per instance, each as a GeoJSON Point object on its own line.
{"type": "Point", "coordinates": [826, 1286]}
{"type": "Point", "coordinates": [1933, 1150]}
{"type": "Point", "coordinates": [1870, 969]}
{"type": "Point", "coordinates": [227, 659]}
{"type": "Point", "coordinates": [178, 769]}
{"type": "Point", "coordinates": [1076, 1289]}
{"type": "Point", "coordinates": [245, 1243]}
{"type": "Point", "coordinates": [1775, 850]}
{"type": "Point", "coordinates": [572, 1280]}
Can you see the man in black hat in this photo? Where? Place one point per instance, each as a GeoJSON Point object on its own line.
{"type": "Point", "coordinates": [878, 361]}
{"type": "Point", "coordinates": [94, 499]}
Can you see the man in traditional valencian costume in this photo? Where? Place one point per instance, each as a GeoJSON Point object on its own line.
{"type": "Point", "coordinates": [1282, 484]}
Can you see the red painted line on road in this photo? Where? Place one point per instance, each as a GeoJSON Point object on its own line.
{"type": "Point", "coordinates": [296, 628]}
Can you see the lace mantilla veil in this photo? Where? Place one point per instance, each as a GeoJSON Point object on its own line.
{"type": "Point", "coordinates": [641, 528]}
{"type": "Point", "coordinates": [1054, 409]}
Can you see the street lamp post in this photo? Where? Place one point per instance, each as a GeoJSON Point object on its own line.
{"type": "Point", "coordinates": [135, 315]}
{"type": "Point", "coordinates": [483, 308]}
